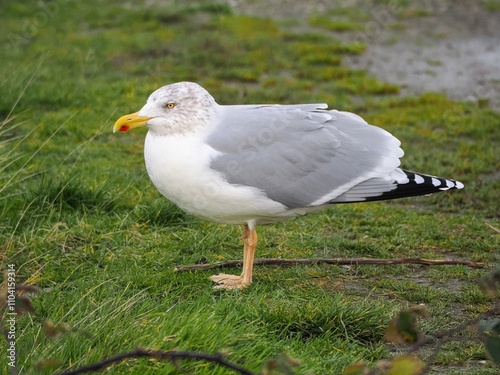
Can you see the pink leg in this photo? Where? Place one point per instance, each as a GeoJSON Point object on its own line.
{"type": "Point", "coordinates": [225, 281]}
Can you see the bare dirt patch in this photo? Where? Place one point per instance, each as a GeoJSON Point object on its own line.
{"type": "Point", "coordinates": [451, 47]}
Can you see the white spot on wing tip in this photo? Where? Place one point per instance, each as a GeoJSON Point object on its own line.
{"type": "Point", "coordinates": [452, 185]}
{"type": "Point", "coordinates": [435, 182]}
{"type": "Point", "coordinates": [419, 179]}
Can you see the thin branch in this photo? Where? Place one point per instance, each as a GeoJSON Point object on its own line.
{"type": "Point", "coordinates": [165, 355]}
{"type": "Point", "coordinates": [349, 261]}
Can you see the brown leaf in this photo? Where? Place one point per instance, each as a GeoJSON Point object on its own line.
{"type": "Point", "coordinates": [23, 304]}
{"type": "Point", "coordinates": [358, 368]}
{"type": "Point", "coordinates": [280, 365]}
{"type": "Point", "coordinates": [54, 330]}
{"type": "Point", "coordinates": [402, 329]}
{"type": "Point", "coordinates": [490, 284]}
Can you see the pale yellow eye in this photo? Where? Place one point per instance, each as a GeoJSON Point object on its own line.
{"type": "Point", "coordinates": [170, 105]}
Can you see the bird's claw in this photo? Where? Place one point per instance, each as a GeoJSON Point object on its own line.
{"type": "Point", "coordinates": [225, 281]}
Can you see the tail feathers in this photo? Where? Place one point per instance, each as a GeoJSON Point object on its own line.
{"type": "Point", "coordinates": [407, 184]}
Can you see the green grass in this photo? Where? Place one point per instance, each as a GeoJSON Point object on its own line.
{"type": "Point", "coordinates": [340, 25]}
{"type": "Point", "coordinates": [81, 220]}
{"type": "Point", "coordinates": [492, 5]}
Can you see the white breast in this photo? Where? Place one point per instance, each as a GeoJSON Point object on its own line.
{"type": "Point", "coordinates": [179, 168]}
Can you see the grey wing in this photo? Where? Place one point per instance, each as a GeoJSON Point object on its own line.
{"type": "Point", "coordinates": [301, 155]}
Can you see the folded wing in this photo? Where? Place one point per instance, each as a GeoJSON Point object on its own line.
{"type": "Point", "coordinates": [304, 155]}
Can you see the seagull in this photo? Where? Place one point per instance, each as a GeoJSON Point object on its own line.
{"type": "Point", "coordinates": [264, 163]}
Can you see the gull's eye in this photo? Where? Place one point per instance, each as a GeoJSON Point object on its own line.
{"type": "Point", "coordinates": [170, 105]}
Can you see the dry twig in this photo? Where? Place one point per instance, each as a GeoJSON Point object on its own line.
{"type": "Point", "coordinates": [348, 261]}
{"type": "Point", "coordinates": [159, 354]}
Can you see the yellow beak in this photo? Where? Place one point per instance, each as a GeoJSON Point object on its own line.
{"type": "Point", "coordinates": [131, 121]}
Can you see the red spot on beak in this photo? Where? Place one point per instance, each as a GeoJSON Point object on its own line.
{"type": "Point", "coordinates": [124, 128]}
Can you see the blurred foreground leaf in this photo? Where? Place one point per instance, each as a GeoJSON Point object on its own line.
{"type": "Point", "coordinates": [406, 365]}
{"type": "Point", "coordinates": [403, 328]}
{"type": "Point", "coordinates": [490, 283]}
{"type": "Point", "coordinates": [492, 346]}
{"type": "Point", "coordinates": [281, 365]}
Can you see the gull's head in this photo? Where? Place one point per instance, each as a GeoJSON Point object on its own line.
{"type": "Point", "coordinates": [178, 108]}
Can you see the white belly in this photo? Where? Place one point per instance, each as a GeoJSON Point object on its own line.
{"type": "Point", "coordinates": [179, 168]}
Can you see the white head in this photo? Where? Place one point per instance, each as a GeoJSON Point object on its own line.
{"type": "Point", "coordinates": [179, 108]}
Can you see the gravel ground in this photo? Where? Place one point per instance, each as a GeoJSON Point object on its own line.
{"type": "Point", "coordinates": [447, 46]}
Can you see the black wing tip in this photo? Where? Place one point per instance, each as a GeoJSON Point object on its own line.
{"type": "Point", "coordinates": [439, 183]}
{"type": "Point", "coordinates": [418, 184]}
